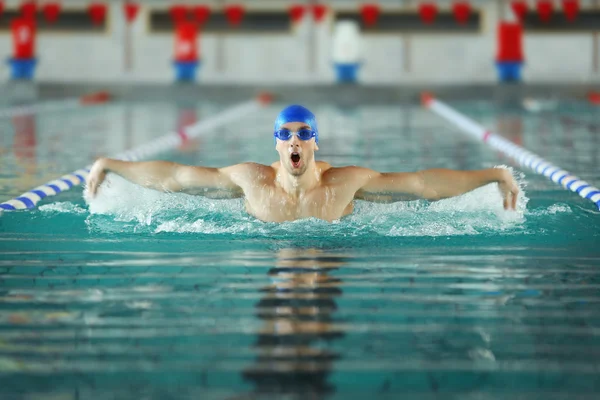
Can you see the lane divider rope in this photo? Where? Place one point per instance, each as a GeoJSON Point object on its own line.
{"type": "Point", "coordinates": [521, 155]}
{"type": "Point", "coordinates": [56, 105]}
{"type": "Point", "coordinates": [164, 143]}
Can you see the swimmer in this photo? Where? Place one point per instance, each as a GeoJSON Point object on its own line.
{"type": "Point", "coordinates": [297, 186]}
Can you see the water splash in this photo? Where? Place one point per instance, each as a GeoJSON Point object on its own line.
{"type": "Point", "coordinates": [136, 209]}
{"type": "Point", "coordinates": [555, 209]}
{"type": "Point", "coordinates": [63, 207]}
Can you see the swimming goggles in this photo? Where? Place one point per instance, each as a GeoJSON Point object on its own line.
{"type": "Point", "coordinates": [303, 134]}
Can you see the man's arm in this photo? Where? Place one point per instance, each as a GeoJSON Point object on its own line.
{"type": "Point", "coordinates": [436, 184]}
{"type": "Point", "coordinates": [164, 176]}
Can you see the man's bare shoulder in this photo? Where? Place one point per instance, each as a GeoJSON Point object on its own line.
{"type": "Point", "coordinates": [249, 170]}
{"type": "Point", "coordinates": [256, 166]}
{"type": "Point", "coordinates": [332, 174]}
{"type": "Point", "coordinates": [275, 166]}
{"type": "Point", "coordinates": [249, 167]}
{"type": "Point", "coordinates": [323, 166]}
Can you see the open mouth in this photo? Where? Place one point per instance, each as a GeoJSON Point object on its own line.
{"type": "Point", "coordinates": [295, 160]}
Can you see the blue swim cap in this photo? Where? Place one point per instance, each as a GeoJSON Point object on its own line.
{"type": "Point", "coordinates": [297, 113]}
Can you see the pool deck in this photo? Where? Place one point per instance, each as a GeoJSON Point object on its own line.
{"type": "Point", "coordinates": [21, 92]}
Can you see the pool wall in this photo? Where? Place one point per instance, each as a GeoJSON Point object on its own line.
{"type": "Point", "coordinates": [443, 52]}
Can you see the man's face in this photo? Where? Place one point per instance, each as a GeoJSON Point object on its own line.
{"type": "Point", "coordinates": [295, 154]}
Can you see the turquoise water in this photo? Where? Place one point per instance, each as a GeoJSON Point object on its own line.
{"type": "Point", "coordinates": [171, 296]}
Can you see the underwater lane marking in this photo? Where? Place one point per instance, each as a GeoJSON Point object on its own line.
{"type": "Point", "coordinates": [521, 155]}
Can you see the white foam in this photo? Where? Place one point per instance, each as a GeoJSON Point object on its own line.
{"type": "Point", "coordinates": [130, 202]}
{"type": "Point", "coordinates": [559, 208]}
{"type": "Point", "coordinates": [552, 210]}
{"type": "Point", "coordinates": [145, 210]}
{"type": "Point", "coordinates": [182, 225]}
{"type": "Point", "coordinates": [63, 207]}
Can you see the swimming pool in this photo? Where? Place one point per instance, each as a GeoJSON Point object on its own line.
{"type": "Point", "coordinates": [174, 296]}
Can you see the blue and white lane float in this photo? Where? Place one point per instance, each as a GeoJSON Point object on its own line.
{"type": "Point", "coordinates": [164, 143]}
{"type": "Point", "coordinates": [522, 156]}
{"type": "Point", "coordinates": [56, 105]}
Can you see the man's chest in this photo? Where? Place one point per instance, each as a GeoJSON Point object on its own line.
{"type": "Point", "coordinates": [271, 203]}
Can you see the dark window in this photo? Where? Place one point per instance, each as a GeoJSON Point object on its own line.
{"type": "Point", "coordinates": [253, 21]}
{"type": "Point", "coordinates": [409, 22]}
{"type": "Point", "coordinates": [68, 21]}
{"type": "Point", "coordinates": [586, 21]}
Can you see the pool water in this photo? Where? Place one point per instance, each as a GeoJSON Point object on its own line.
{"type": "Point", "coordinates": [172, 296]}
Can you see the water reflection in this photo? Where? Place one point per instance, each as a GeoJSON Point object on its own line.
{"type": "Point", "coordinates": [25, 142]}
{"type": "Point", "coordinates": [294, 345]}
{"type": "Point", "coordinates": [510, 125]}
{"type": "Point", "coordinates": [187, 116]}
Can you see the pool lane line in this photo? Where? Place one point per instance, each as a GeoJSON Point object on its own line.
{"type": "Point", "coordinates": [169, 141]}
{"type": "Point", "coordinates": [55, 105]}
{"type": "Point", "coordinates": [521, 155]}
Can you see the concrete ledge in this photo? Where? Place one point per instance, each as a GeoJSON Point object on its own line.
{"type": "Point", "coordinates": [337, 94]}
{"type": "Point", "coordinates": [16, 92]}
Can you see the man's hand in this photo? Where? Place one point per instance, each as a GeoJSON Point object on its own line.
{"type": "Point", "coordinates": [96, 176]}
{"type": "Point", "coordinates": [509, 189]}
